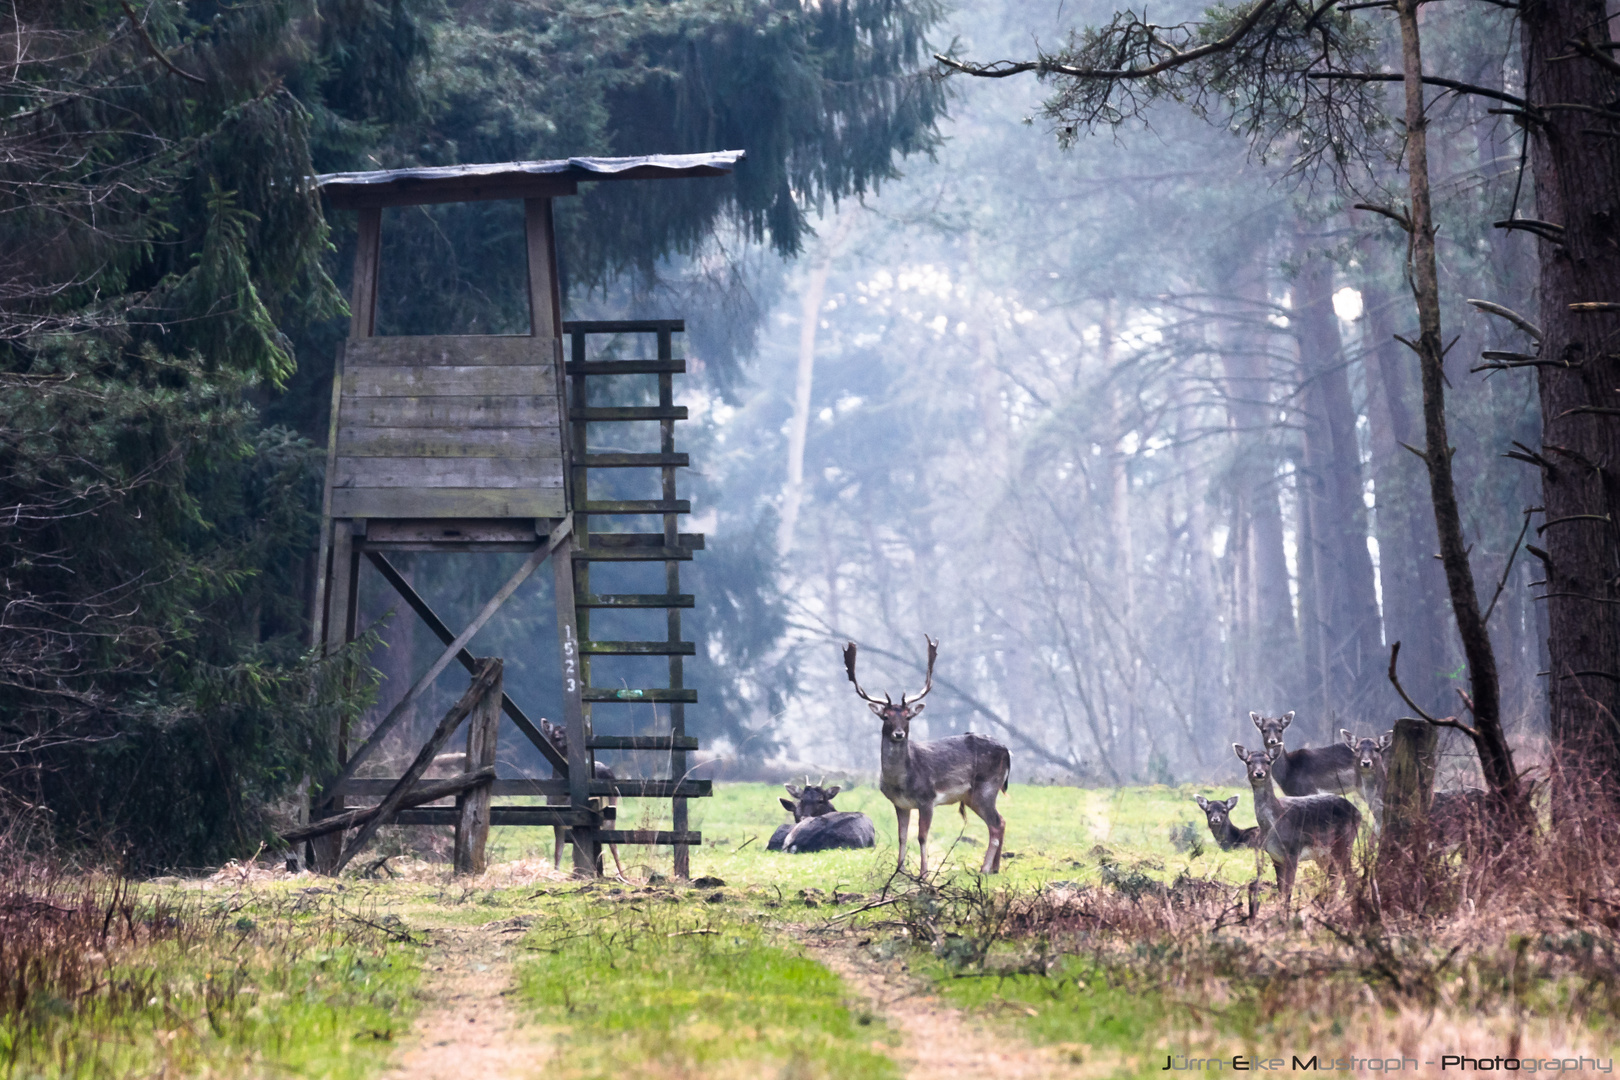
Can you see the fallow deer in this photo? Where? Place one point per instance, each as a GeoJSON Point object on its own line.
{"type": "Point", "coordinates": [818, 826]}
{"type": "Point", "coordinates": [1322, 828]}
{"type": "Point", "coordinates": [1308, 771]}
{"type": "Point", "coordinates": [1370, 770]}
{"type": "Point", "coordinates": [559, 738]}
{"type": "Point", "coordinates": [966, 769]}
{"type": "Point", "coordinates": [1218, 812]}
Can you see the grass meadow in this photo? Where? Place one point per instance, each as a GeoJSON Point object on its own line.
{"type": "Point", "coordinates": [1118, 940]}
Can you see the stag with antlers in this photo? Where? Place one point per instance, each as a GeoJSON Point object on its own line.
{"type": "Point", "coordinates": [969, 770]}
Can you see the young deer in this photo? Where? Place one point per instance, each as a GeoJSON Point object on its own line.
{"type": "Point", "coordinates": [966, 769]}
{"type": "Point", "coordinates": [1318, 827]}
{"type": "Point", "coordinates": [559, 738]}
{"type": "Point", "coordinates": [818, 826]}
{"type": "Point", "coordinates": [1308, 771]}
{"type": "Point", "coordinates": [1370, 770]}
{"type": "Point", "coordinates": [1219, 815]}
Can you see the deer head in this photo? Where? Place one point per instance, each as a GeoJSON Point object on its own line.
{"type": "Point", "coordinates": [896, 718]}
{"type": "Point", "coordinates": [1271, 729]}
{"type": "Point", "coordinates": [1258, 762]}
{"type": "Point", "coordinates": [557, 734]}
{"type": "Point", "coordinates": [1369, 752]}
{"type": "Point", "coordinates": [1217, 811]}
{"type": "Point", "coordinates": [812, 800]}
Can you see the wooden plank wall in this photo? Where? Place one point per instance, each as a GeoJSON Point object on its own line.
{"type": "Point", "coordinates": [449, 427]}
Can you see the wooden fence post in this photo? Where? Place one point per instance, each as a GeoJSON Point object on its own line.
{"type": "Point", "coordinates": [472, 805]}
{"type": "Point", "coordinates": [1405, 870]}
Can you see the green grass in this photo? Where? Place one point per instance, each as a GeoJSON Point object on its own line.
{"type": "Point", "coordinates": [244, 989]}
{"type": "Point", "coordinates": [672, 989]}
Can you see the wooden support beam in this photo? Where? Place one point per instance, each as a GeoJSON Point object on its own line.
{"type": "Point", "coordinates": [472, 805]}
{"type": "Point", "coordinates": [519, 718]}
{"type": "Point", "coordinates": [558, 536]}
{"type": "Point", "coordinates": [432, 791]}
{"type": "Point", "coordinates": [486, 682]}
{"type": "Point", "coordinates": [367, 252]}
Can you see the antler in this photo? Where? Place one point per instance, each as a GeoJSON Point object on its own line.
{"type": "Point", "coordinates": [849, 667]}
{"type": "Point", "coordinates": [933, 652]}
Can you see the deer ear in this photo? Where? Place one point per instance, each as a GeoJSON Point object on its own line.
{"type": "Point", "coordinates": [1386, 740]}
{"type": "Point", "coordinates": [834, 790]}
{"type": "Point", "coordinates": [1349, 739]}
{"type": "Point", "coordinates": [1242, 754]}
{"type": "Point", "coordinates": [1288, 717]}
{"type": "Point", "coordinates": [915, 709]}
{"type": "Point", "coordinates": [1256, 717]}
{"type": "Point", "coordinates": [1203, 803]}
{"type": "Point", "coordinates": [877, 710]}
{"type": "Point", "coordinates": [1231, 804]}
{"type": "Point", "coordinates": [797, 793]}
{"type": "Point", "coordinates": [787, 804]}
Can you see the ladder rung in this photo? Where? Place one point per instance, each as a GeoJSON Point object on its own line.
{"type": "Point", "coordinates": [648, 836]}
{"type": "Point", "coordinates": [653, 789]}
{"type": "Point", "coordinates": [642, 742]}
{"type": "Point", "coordinates": [634, 555]}
{"type": "Point", "coordinates": [633, 461]}
{"type": "Point", "coordinates": [503, 815]}
{"type": "Point", "coordinates": [607, 693]}
{"type": "Point", "coordinates": [599, 540]}
{"type": "Point", "coordinates": [624, 326]}
{"type": "Point", "coordinates": [626, 367]}
{"type": "Point", "coordinates": [601, 413]}
{"type": "Point", "coordinates": [638, 648]}
{"type": "Point", "coordinates": [636, 600]}
{"type": "Point", "coordinates": [636, 506]}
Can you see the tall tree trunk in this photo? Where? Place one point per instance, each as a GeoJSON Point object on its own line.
{"type": "Point", "coordinates": [1495, 758]}
{"type": "Point", "coordinates": [1578, 187]}
{"type": "Point", "coordinates": [1352, 641]}
{"type": "Point", "coordinates": [1414, 584]}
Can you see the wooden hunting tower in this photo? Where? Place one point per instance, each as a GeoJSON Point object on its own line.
{"type": "Point", "coordinates": [470, 445]}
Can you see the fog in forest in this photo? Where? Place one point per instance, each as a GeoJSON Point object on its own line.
{"type": "Point", "coordinates": [1122, 426]}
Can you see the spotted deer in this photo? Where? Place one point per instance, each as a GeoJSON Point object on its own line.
{"type": "Point", "coordinates": [559, 738]}
{"type": "Point", "coordinates": [969, 770]}
{"type": "Point", "coordinates": [1309, 770]}
{"type": "Point", "coordinates": [1370, 770]}
{"type": "Point", "coordinates": [1322, 828]}
{"type": "Point", "coordinates": [1218, 812]}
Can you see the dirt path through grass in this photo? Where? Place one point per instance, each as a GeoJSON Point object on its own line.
{"type": "Point", "coordinates": [939, 1042]}
{"type": "Point", "coordinates": [468, 1027]}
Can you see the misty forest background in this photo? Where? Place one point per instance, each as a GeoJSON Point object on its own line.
{"type": "Point", "coordinates": [1118, 417]}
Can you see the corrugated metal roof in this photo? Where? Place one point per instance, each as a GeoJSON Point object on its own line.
{"type": "Point", "coordinates": [511, 179]}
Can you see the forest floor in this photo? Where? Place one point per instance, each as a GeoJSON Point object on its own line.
{"type": "Point", "coordinates": [1116, 943]}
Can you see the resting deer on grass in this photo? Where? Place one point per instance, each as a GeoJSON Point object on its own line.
{"type": "Point", "coordinates": [1318, 827]}
{"type": "Point", "coordinates": [1308, 771]}
{"type": "Point", "coordinates": [966, 769]}
{"type": "Point", "coordinates": [1218, 812]}
{"type": "Point", "coordinates": [818, 825]}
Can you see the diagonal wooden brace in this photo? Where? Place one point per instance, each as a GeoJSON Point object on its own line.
{"type": "Point", "coordinates": [519, 718]}
{"type": "Point", "coordinates": [417, 796]}
{"type": "Point", "coordinates": [489, 674]}
{"type": "Point", "coordinates": [563, 530]}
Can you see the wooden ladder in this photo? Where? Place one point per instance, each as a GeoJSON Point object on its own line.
{"type": "Point", "coordinates": [670, 547]}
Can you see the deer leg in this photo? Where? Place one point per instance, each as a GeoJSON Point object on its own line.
{"type": "Point", "coordinates": [903, 817]}
{"type": "Point", "coordinates": [1285, 883]}
{"type": "Point", "coordinates": [561, 835]}
{"type": "Point", "coordinates": [925, 818]}
{"type": "Point", "coordinates": [986, 809]}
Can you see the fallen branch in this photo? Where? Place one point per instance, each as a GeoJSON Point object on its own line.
{"type": "Point", "coordinates": [426, 793]}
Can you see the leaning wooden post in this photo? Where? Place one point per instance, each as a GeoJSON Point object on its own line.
{"type": "Point", "coordinates": [472, 805]}
{"type": "Point", "coordinates": [1405, 864]}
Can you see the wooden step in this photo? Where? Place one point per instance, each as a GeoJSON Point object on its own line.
{"type": "Point", "coordinates": [598, 414]}
{"type": "Point", "coordinates": [642, 742]}
{"type": "Point", "coordinates": [506, 815]}
{"type": "Point", "coordinates": [636, 506]}
{"type": "Point", "coordinates": [376, 788]}
{"type": "Point", "coordinates": [648, 836]}
{"type": "Point", "coordinates": [632, 461]}
{"type": "Point", "coordinates": [625, 367]}
{"type": "Point", "coordinates": [658, 554]}
{"type": "Point", "coordinates": [689, 541]}
{"type": "Point", "coordinates": [635, 600]}
{"type": "Point", "coordinates": [624, 326]}
{"type": "Point", "coordinates": [657, 694]}
{"type": "Point", "coordinates": [638, 648]}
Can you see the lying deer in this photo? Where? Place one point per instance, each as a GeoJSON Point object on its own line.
{"type": "Point", "coordinates": [1370, 770]}
{"type": "Point", "coordinates": [817, 826]}
{"type": "Point", "coordinates": [559, 738]}
{"type": "Point", "coordinates": [1219, 815]}
{"type": "Point", "coordinates": [966, 769]}
{"type": "Point", "coordinates": [1307, 771]}
{"type": "Point", "coordinates": [1318, 827]}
